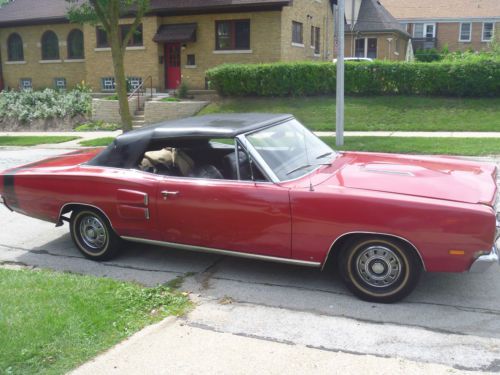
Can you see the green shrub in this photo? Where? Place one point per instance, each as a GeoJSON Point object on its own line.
{"type": "Point", "coordinates": [97, 126]}
{"type": "Point", "coordinates": [428, 55]}
{"type": "Point", "coordinates": [30, 105]}
{"type": "Point", "coordinates": [182, 91]}
{"type": "Point", "coordinates": [459, 78]}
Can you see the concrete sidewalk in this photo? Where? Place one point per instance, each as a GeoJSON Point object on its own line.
{"type": "Point", "coordinates": [173, 347]}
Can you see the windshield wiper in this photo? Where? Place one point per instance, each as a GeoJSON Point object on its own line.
{"type": "Point", "coordinates": [324, 155]}
{"type": "Point", "coordinates": [298, 169]}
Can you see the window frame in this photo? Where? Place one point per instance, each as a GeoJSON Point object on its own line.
{"type": "Point", "coordinates": [22, 87]}
{"type": "Point", "coordinates": [460, 31]}
{"type": "Point", "coordinates": [9, 52]}
{"type": "Point", "coordinates": [43, 44]}
{"type": "Point", "coordinates": [317, 41]}
{"type": "Point", "coordinates": [68, 45]}
{"type": "Point", "coordinates": [493, 27]}
{"type": "Point", "coordinates": [60, 79]}
{"type": "Point", "coordinates": [232, 34]}
{"type": "Point", "coordinates": [424, 30]}
{"type": "Point", "coordinates": [103, 87]}
{"type": "Point", "coordinates": [294, 41]}
{"type": "Point", "coordinates": [102, 40]}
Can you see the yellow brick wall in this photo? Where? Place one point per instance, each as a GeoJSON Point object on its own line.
{"type": "Point", "coordinates": [264, 43]}
{"type": "Point", "coordinates": [42, 74]}
{"type": "Point", "coordinates": [315, 13]}
{"type": "Point", "coordinates": [385, 50]}
{"type": "Point", "coordinates": [139, 61]}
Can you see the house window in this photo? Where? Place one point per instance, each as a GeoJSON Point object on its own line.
{"type": "Point", "coordinates": [50, 46]}
{"type": "Point", "coordinates": [232, 35]}
{"type": "Point", "coordinates": [312, 36]}
{"type": "Point", "coordinates": [101, 38]}
{"type": "Point", "coordinates": [191, 60]}
{"type": "Point", "coordinates": [366, 47]}
{"type": "Point", "coordinates": [60, 83]}
{"type": "Point", "coordinates": [297, 33]}
{"type": "Point", "coordinates": [25, 84]}
{"type": "Point", "coordinates": [317, 41]}
{"type": "Point", "coordinates": [424, 30]}
{"type": "Point", "coordinates": [15, 47]}
{"type": "Point", "coordinates": [488, 31]}
{"type": "Point", "coordinates": [75, 44]}
{"type": "Point", "coordinates": [359, 48]}
{"type": "Point", "coordinates": [136, 39]}
{"type": "Point", "coordinates": [108, 84]}
{"type": "Point", "coordinates": [133, 83]}
{"type": "Point", "coordinates": [465, 32]}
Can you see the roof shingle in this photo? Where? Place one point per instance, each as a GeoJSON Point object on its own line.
{"type": "Point", "coordinates": [24, 12]}
{"type": "Point", "coordinates": [441, 9]}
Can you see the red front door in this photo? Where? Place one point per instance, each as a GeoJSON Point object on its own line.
{"type": "Point", "coordinates": [172, 65]}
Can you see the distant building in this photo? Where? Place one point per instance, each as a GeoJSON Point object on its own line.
{"type": "Point", "coordinates": [460, 25]}
{"type": "Point", "coordinates": [372, 32]}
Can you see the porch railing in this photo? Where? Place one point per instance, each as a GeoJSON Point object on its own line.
{"type": "Point", "coordinates": [141, 91]}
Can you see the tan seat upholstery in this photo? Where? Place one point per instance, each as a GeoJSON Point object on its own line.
{"type": "Point", "coordinates": [167, 157]}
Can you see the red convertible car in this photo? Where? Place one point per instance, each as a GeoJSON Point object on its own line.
{"type": "Point", "coordinates": [262, 186]}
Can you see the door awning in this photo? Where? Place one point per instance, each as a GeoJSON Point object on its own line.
{"type": "Point", "coordinates": [181, 32]}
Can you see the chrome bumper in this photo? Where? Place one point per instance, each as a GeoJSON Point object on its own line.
{"type": "Point", "coordinates": [482, 263]}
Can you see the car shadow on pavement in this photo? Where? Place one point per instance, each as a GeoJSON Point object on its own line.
{"type": "Point", "coordinates": [468, 297]}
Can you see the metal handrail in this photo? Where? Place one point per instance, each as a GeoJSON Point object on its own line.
{"type": "Point", "coordinates": [139, 90]}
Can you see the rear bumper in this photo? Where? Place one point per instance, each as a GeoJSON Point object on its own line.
{"type": "Point", "coordinates": [482, 263]}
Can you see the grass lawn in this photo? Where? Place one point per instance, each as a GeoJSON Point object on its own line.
{"type": "Point", "coordinates": [438, 146]}
{"type": "Point", "coordinates": [390, 113]}
{"type": "Point", "coordinates": [52, 322]}
{"type": "Point", "coordinates": [33, 140]}
{"type": "Point", "coordinates": [97, 142]}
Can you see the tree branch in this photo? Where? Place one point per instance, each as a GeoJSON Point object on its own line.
{"type": "Point", "coordinates": [101, 14]}
{"type": "Point", "coordinates": [141, 10]}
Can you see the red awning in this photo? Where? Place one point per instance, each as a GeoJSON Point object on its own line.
{"type": "Point", "coordinates": [182, 32]}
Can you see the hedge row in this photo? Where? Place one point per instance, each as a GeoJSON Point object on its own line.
{"type": "Point", "coordinates": [477, 79]}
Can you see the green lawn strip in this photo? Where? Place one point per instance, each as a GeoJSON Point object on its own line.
{"type": "Point", "coordinates": [383, 113]}
{"type": "Point", "coordinates": [33, 140]}
{"type": "Point", "coordinates": [97, 142]}
{"type": "Point", "coordinates": [414, 145]}
{"type": "Point", "coordinates": [52, 322]}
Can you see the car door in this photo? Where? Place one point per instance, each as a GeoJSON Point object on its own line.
{"type": "Point", "coordinates": [243, 216]}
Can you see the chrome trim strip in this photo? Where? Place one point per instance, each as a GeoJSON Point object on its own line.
{"type": "Point", "coordinates": [146, 214]}
{"type": "Point", "coordinates": [146, 200]}
{"type": "Point", "coordinates": [484, 262]}
{"type": "Point", "coordinates": [224, 252]}
{"type": "Point", "coordinates": [237, 155]}
{"type": "Point", "coordinates": [85, 205]}
{"type": "Point", "coordinates": [383, 234]}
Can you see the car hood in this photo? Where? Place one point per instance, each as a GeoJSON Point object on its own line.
{"type": "Point", "coordinates": [445, 178]}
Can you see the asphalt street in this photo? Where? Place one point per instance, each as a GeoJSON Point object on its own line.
{"type": "Point", "coordinates": [450, 319]}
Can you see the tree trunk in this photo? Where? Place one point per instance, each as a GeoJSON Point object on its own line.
{"type": "Point", "coordinates": [120, 80]}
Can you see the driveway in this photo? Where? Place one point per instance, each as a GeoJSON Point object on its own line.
{"type": "Point", "coordinates": [450, 319]}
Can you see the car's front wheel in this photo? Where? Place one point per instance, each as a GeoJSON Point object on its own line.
{"type": "Point", "coordinates": [379, 269]}
{"type": "Point", "coordinates": [93, 235]}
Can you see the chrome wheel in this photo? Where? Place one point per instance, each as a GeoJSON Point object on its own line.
{"type": "Point", "coordinates": [93, 232]}
{"type": "Point", "coordinates": [378, 266]}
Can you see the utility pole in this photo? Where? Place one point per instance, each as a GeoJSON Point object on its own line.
{"type": "Point", "coordinates": [339, 127]}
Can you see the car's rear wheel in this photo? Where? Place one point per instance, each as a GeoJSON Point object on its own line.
{"type": "Point", "coordinates": [92, 234]}
{"type": "Point", "coordinates": [379, 269]}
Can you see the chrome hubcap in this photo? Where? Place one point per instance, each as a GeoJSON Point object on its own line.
{"type": "Point", "coordinates": [93, 232]}
{"type": "Point", "coordinates": [378, 266]}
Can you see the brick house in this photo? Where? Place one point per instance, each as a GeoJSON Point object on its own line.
{"type": "Point", "coordinates": [371, 31]}
{"type": "Point", "coordinates": [460, 25]}
{"type": "Point", "coordinates": [178, 41]}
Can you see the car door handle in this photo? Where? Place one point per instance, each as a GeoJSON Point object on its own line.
{"type": "Point", "coordinates": [167, 194]}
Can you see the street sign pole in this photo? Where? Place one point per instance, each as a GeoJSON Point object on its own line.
{"type": "Point", "coordinates": [339, 127]}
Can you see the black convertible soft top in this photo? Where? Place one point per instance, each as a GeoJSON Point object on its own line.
{"type": "Point", "coordinates": [127, 148]}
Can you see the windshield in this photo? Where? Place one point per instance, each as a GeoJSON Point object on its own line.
{"type": "Point", "coordinates": [290, 150]}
